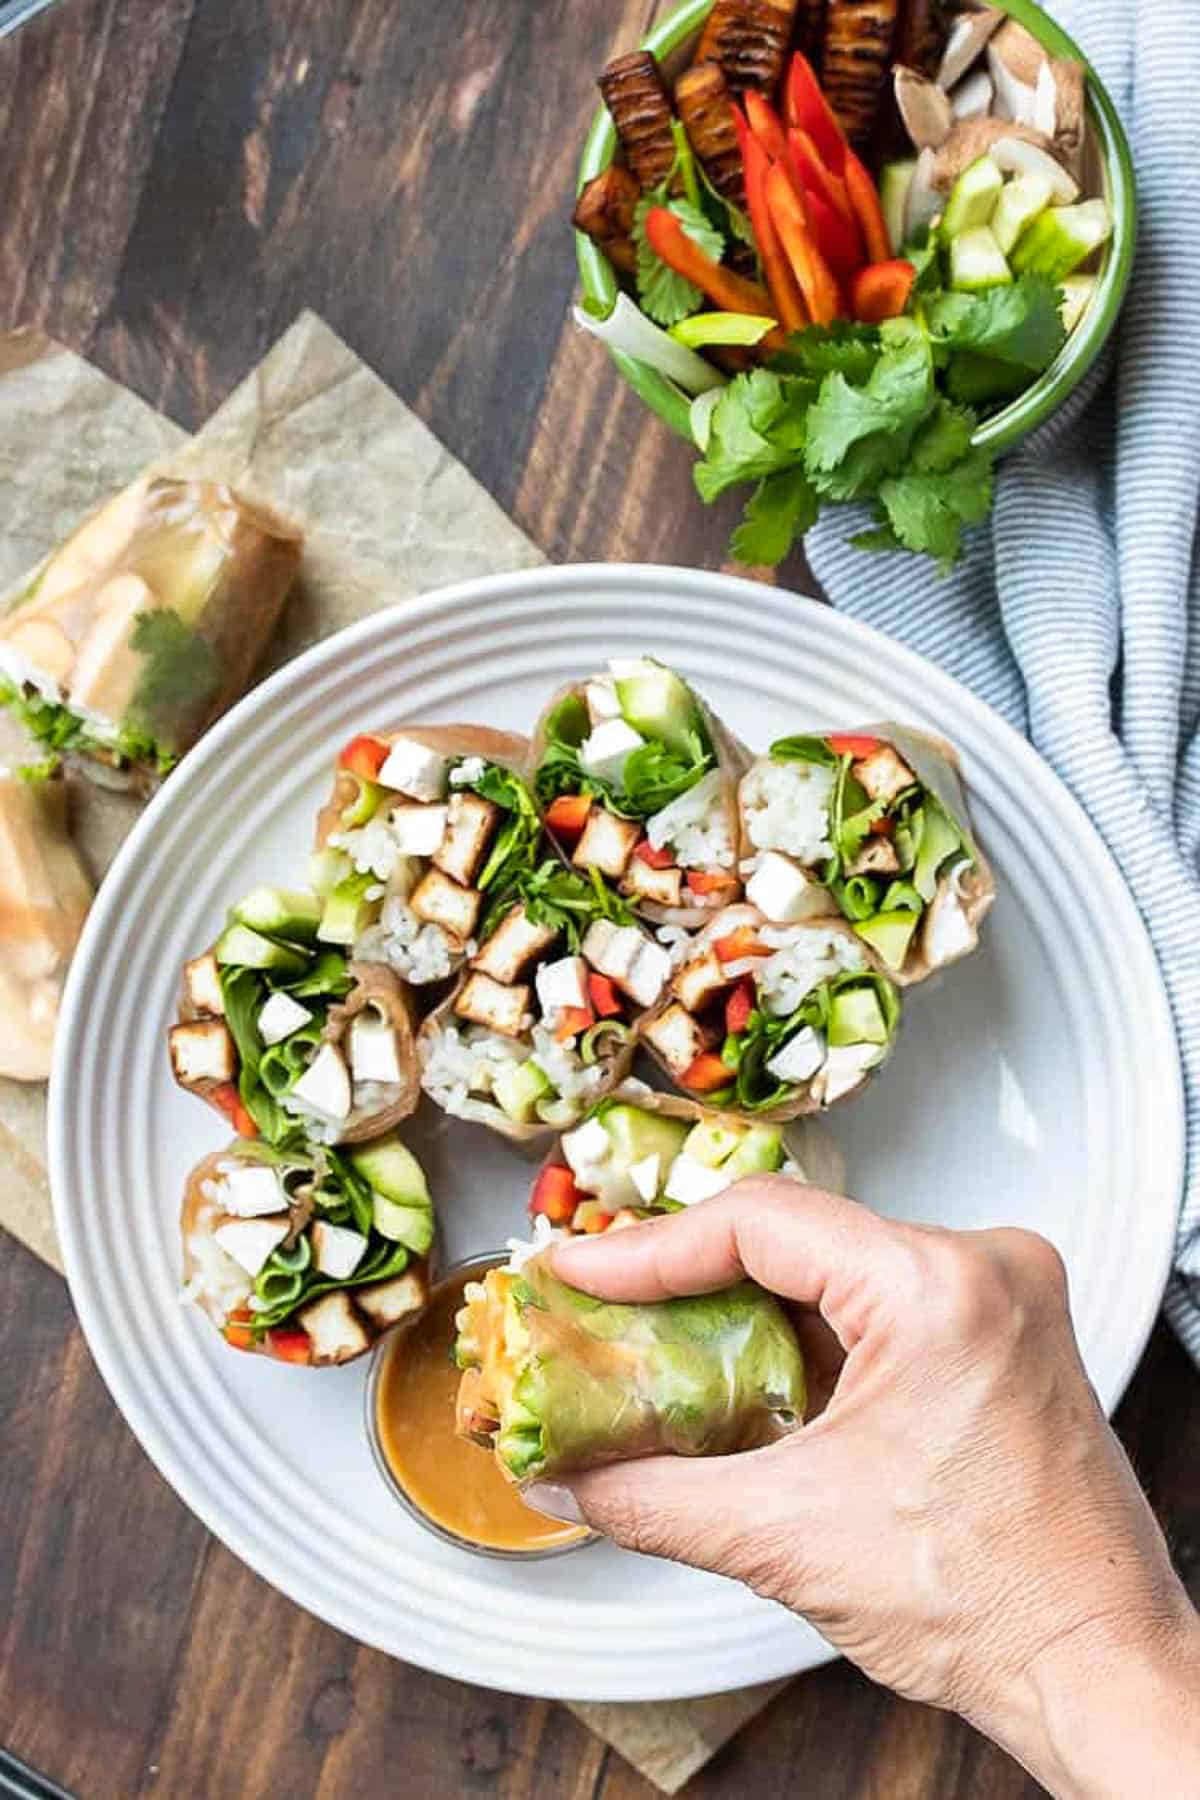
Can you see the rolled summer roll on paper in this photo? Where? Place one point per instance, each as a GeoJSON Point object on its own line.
{"type": "Point", "coordinates": [641, 1152]}
{"type": "Point", "coordinates": [871, 824]}
{"type": "Point", "coordinates": [637, 779]}
{"type": "Point", "coordinates": [145, 625]}
{"type": "Point", "coordinates": [307, 1256]}
{"type": "Point", "coordinates": [556, 1382]}
{"type": "Point", "coordinates": [289, 1039]}
{"type": "Point", "coordinates": [542, 1024]}
{"type": "Point", "coordinates": [437, 824]}
{"type": "Point", "coordinates": [773, 1021]}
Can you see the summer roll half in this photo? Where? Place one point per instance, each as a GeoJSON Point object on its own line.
{"type": "Point", "coordinates": [145, 625]}
{"type": "Point", "coordinates": [542, 1024]}
{"type": "Point", "coordinates": [287, 1037]}
{"type": "Point", "coordinates": [307, 1256]}
{"type": "Point", "coordinates": [640, 1153]}
{"type": "Point", "coordinates": [871, 825]}
{"type": "Point", "coordinates": [772, 1020]}
{"type": "Point", "coordinates": [637, 780]}
{"type": "Point", "coordinates": [555, 1382]}
{"type": "Point", "coordinates": [422, 841]}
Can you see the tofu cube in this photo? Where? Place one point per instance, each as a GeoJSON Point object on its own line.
{"type": "Point", "coordinates": [877, 857]}
{"type": "Point", "coordinates": [882, 774]}
{"type": "Point", "coordinates": [649, 974]}
{"type": "Point", "coordinates": [418, 830]}
{"type": "Point", "coordinates": [645, 1176]}
{"type": "Point", "coordinates": [800, 1057]}
{"type": "Point", "coordinates": [845, 1068]}
{"type": "Point", "coordinates": [374, 1055]}
{"type": "Point", "coordinates": [688, 1181]}
{"type": "Point", "coordinates": [204, 1051]}
{"type": "Point", "coordinates": [782, 891]}
{"type": "Point", "coordinates": [700, 982]}
{"type": "Point", "coordinates": [678, 1038]}
{"type": "Point", "coordinates": [491, 1003]}
{"type": "Point", "coordinates": [562, 983]}
{"type": "Point", "coordinates": [602, 702]}
{"type": "Point", "coordinates": [664, 886]}
{"type": "Point", "coordinates": [325, 1084]}
{"type": "Point", "coordinates": [611, 948]}
{"type": "Point", "coordinates": [202, 985]}
{"type": "Point", "coordinates": [470, 822]}
{"type": "Point", "coordinates": [440, 901]}
{"type": "Point", "coordinates": [251, 1241]}
{"type": "Point", "coordinates": [411, 769]}
{"type": "Point", "coordinates": [335, 1332]}
{"type": "Point", "coordinates": [606, 843]}
{"type": "Point", "coordinates": [610, 746]}
{"type": "Point", "coordinates": [514, 944]}
{"type": "Point", "coordinates": [280, 1017]}
{"type": "Point", "coordinates": [336, 1250]}
{"type": "Point", "coordinates": [252, 1191]}
{"type": "Point", "coordinates": [385, 1302]}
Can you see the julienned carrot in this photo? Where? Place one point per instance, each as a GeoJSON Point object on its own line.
{"type": "Point", "coordinates": [811, 172]}
{"type": "Point", "coordinates": [864, 198]}
{"type": "Point", "coordinates": [807, 109]}
{"type": "Point", "coordinates": [811, 270]}
{"type": "Point", "coordinates": [733, 293]}
{"type": "Point", "coordinates": [786, 298]}
{"type": "Point", "coordinates": [766, 125]}
{"type": "Point", "coordinates": [881, 290]}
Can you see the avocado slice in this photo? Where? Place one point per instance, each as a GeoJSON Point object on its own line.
{"type": "Point", "coordinates": [760, 1152]}
{"type": "Point", "coordinates": [636, 1134]}
{"type": "Point", "coordinates": [855, 1016]}
{"type": "Point", "coordinates": [973, 198]}
{"type": "Point", "coordinates": [658, 703]}
{"type": "Point", "coordinates": [890, 934]}
{"type": "Point", "coordinates": [411, 1226]}
{"type": "Point", "coordinates": [712, 1143]}
{"type": "Point", "coordinates": [241, 947]}
{"type": "Point", "coordinates": [940, 837]}
{"type": "Point", "coordinates": [518, 1087]}
{"type": "Point", "coordinates": [402, 1209]}
{"type": "Point", "coordinates": [280, 913]}
{"type": "Point", "coordinates": [347, 912]}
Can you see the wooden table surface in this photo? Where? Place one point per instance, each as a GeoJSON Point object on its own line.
{"type": "Point", "coordinates": [180, 177]}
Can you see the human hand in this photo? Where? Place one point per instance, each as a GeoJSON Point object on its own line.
{"type": "Point", "coordinates": [959, 1519]}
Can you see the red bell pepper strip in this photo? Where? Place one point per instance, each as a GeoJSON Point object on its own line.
{"type": "Point", "coordinates": [739, 1006]}
{"type": "Point", "coordinates": [739, 942]}
{"type": "Point", "coordinates": [881, 290]}
{"type": "Point", "coordinates": [706, 1074]}
{"type": "Point", "coordinates": [598, 1222]}
{"type": "Point", "coordinates": [883, 826]}
{"type": "Point", "coordinates": [704, 883]}
{"type": "Point", "coordinates": [230, 1102]}
{"type": "Point", "coordinates": [606, 1001]}
{"type": "Point", "coordinates": [837, 241]}
{"type": "Point", "coordinates": [852, 743]}
{"type": "Point", "coordinates": [807, 109]}
{"type": "Point", "coordinates": [864, 198]}
{"type": "Point", "coordinates": [555, 1194]}
{"type": "Point", "coordinates": [567, 816]}
{"type": "Point", "coordinates": [787, 301]}
{"type": "Point", "coordinates": [290, 1343]}
{"type": "Point", "coordinates": [364, 756]}
{"type": "Point", "coordinates": [766, 125]}
{"type": "Point", "coordinates": [808, 265]}
{"type": "Point", "coordinates": [662, 858]}
{"type": "Point", "coordinates": [571, 1021]}
{"type": "Point", "coordinates": [812, 175]}
{"type": "Point", "coordinates": [732, 293]}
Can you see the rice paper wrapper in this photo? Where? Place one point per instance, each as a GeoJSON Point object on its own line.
{"type": "Point", "coordinates": [507, 748]}
{"type": "Point", "coordinates": [733, 759]}
{"type": "Point", "coordinates": [597, 1382]}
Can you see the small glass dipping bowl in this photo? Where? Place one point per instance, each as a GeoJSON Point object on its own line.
{"type": "Point", "coordinates": [479, 1470]}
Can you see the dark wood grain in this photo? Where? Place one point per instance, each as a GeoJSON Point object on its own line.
{"type": "Point", "coordinates": [180, 178]}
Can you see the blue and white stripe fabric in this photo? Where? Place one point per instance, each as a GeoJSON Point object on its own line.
{"type": "Point", "coordinates": [1077, 613]}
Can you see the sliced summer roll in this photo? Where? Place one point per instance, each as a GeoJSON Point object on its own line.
{"type": "Point", "coordinates": [543, 1023]}
{"type": "Point", "coordinates": [871, 825]}
{"type": "Point", "coordinates": [637, 780]}
{"type": "Point", "coordinates": [145, 625]}
{"type": "Point", "coordinates": [773, 1021]}
{"type": "Point", "coordinates": [422, 841]}
{"type": "Point", "coordinates": [307, 1256]}
{"type": "Point", "coordinates": [555, 1382]}
{"type": "Point", "coordinates": [288, 1038]}
{"type": "Point", "coordinates": [641, 1152]}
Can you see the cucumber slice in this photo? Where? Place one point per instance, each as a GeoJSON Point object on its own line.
{"type": "Point", "coordinates": [855, 1016]}
{"type": "Point", "coordinates": [280, 913]}
{"type": "Point", "coordinates": [973, 198]}
{"type": "Point", "coordinates": [1077, 292]}
{"type": "Point", "coordinates": [939, 838]}
{"type": "Point", "coordinates": [243, 948]}
{"type": "Point", "coordinates": [518, 1087]}
{"type": "Point", "coordinates": [657, 704]}
{"type": "Point", "coordinates": [392, 1170]}
{"type": "Point", "coordinates": [895, 179]}
{"type": "Point", "coordinates": [711, 1143]}
{"type": "Point", "coordinates": [890, 935]}
{"type": "Point", "coordinates": [977, 262]}
{"type": "Point", "coordinates": [1061, 238]}
{"type": "Point", "coordinates": [1019, 204]}
{"type": "Point", "coordinates": [760, 1152]}
{"type": "Point", "coordinates": [347, 911]}
{"type": "Point", "coordinates": [411, 1226]}
{"type": "Point", "coordinates": [635, 1135]}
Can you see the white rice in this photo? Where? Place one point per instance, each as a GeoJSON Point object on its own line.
{"type": "Point", "coordinates": [418, 951]}
{"type": "Point", "coordinates": [561, 1063]}
{"type": "Point", "coordinates": [802, 958]}
{"type": "Point", "coordinates": [372, 848]}
{"type": "Point", "coordinates": [678, 943]}
{"type": "Point", "coordinates": [371, 1097]}
{"type": "Point", "coordinates": [696, 826]}
{"type": "Point", "coordinates": [457, 1063]}
{"type": "Point", "coordinates": [523, 1250]}
{"type": "Point", "coordinates": [785, 806]}
{"type": "Point", "coordinates": [215, 1276]}
{"type": "Point", "coordinates": [470, 770]}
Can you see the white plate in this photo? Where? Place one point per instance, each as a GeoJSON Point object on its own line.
{"type": "Point", "coordinates": [1038, 1084]}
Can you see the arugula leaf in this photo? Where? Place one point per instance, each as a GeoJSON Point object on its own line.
{"type": "Point", "coordinates": [654, 776]}
{"type": "Point", "coordinates": [517, 840]}
{"type": "Point", "coordinates": [782, 508]}
{"type": "Point", "coordinates": [805, 749]}
{"type": "Point", "coordinates": [928, 509]}
{"type": "Point", "coordinates": [1018, 324]}
{"type": "Point", "coordinates": [562, 899]}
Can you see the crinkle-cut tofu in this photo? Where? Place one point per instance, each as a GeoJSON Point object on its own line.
{"type": "Point", "coordinates": [384, 1302]}
{"type": "Point", "coordinates": [877, 857]}
{"type": "Point", "coordinates": [607, 843]}
{"type": "Point", "coordinates": [202, 985]}
{"type": "Point", "coordinates": [492, 1004]}
{"type": "Point", "coordinates": [202, 1051]}
{"type": "Point", "coordinates": [335, 1331]}
{"type": "Point", "coordinates": [699, 982]}
{"type": "Point", "coordinates": [665, 886]}
{"type": "Point", "coordinates": [470, 822]}
{"type": "Point", "coordinates": [678, 1038]}
{"type": "Point", "coordinates": [514, 944]}
{"type": "Point", "coordinates": [440, 901]}
{"type": "Point", "coordinates": [882, 775]}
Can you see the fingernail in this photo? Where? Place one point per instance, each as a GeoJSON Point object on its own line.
{"type": "Point", "coordinates": [555, 1501]}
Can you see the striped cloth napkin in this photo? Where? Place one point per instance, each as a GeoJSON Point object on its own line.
{"type": "Point", "coordinates": [1071, 613]}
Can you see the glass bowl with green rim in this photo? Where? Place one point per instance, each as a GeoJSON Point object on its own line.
{"type": "Point", "coordinates": [1009, 424]}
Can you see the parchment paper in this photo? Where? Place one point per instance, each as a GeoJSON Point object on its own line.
{"type": "Point", "coordinates": [387, 513]}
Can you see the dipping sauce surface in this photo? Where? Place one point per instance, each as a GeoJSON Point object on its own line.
{"type": "Point", "coordinates": [457, 1484]}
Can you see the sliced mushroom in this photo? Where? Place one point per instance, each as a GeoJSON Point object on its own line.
{"type": "Point", "coordinates": [1016, 59]}
{"type": "Point", "coordinates": [972, 98]}
{"type": "Point", "coordinates": [965, 42]}
{"type": "Point", "coordinates": [924, 108]}
{"type": "Point", "coordinates": [1068, 115]}
{"type": "Point", "coordinates": [1014, 156]}
{"type": "Point", "coordinates": [972, 138]}
{"type": "Point", "coordinates": [923, 202]}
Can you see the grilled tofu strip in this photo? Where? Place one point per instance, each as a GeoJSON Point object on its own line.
{"type": "Point", "coordinates": [604, 212]}
{"type": "Point", "coordinates": [920, 36]}
{"type": "Point", "coordinates": [641, 110]}
{"type": "Point", "coordinates": [856, 62]}
{"type": "Point", "coordinates": [749, 39]}
{"type": "Point", "coordinates": [704, 103]}
{"type": "Point", "coordinates": [809, 35]}
{"type": "Point", "coordinates": [679, 1038]}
